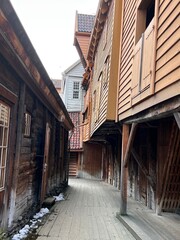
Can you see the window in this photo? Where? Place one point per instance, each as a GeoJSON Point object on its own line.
{"type": "Point", "coordinates": [105, 32]}
{"type": "Point", "coordinates": [75, 90]}
{"type": "Point", "coordinates": [145, 13]}
{"type": "Point", "coordinates": [94, 103]}
{"type": "Point", "coordinates": [27, 120]}
{"type": "Point", "coordinates": [4, 132]}
{"type": "Point", "coordinates": [106, 71]}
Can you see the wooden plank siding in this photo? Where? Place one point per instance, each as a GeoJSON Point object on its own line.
{"type": "Point", "coordinates": [31, 100]}
{"type": "Point", "coordinates": [167, 68]}
{"type": "Point", "coordinates": [135, 95]}
{"type": "Point", "coordinates": [106, 64]}
{"type": "Point", "coordinates": [103, 51]}
{"type": "Point", "coordinates": [127, 47]}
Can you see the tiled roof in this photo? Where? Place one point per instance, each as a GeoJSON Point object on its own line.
{"type": "Point", "coordinates": [85, 22]}
{"type": "Point", "coordinates": [75, 139]}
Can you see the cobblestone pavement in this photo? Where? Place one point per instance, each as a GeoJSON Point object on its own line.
{"type": "Point", "coordinates": [88, 213]}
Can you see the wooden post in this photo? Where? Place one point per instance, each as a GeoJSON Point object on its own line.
{"type": "Point", "coordinates": [130, 144]}
{"type": "Point", "coordinates": [124, 171]}
{"type": "Point", "coordinates": [177, 117]}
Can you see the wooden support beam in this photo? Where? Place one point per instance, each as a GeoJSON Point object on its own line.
{"type": "Point", "coordinates": [124, 171]}
{"type": "Point", "coordinates": [130, 144]}
{"type": "Point", "coordinates": [143, 168]}
{"type": "Point", "coordinates": [177, 117]}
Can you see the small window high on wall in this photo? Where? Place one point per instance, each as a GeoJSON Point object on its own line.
{"type": "Point", "coordinates": [27, 129]}
{"type": "Point", "coordinates": [75, 90]}
{"type": "Point", "coordinates": [4, 133]}
{"type": "Point", "coordinates": [145, 14]}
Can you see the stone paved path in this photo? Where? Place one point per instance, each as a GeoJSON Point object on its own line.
{"type": "Point", "coordinates": [88, 213]}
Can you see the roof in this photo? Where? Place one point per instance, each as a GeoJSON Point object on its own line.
{"type": "Point", "coordinates": [85, 22]}
{"type": "Point", "coordinates": [57, 83]}
{"type": "Point", "coordinates": [19, 51]}
{"type": "Point", "coordinates": [72, 66]}
{"type": "Point", "coordinates": [75, 139]}
{"type": "Point", "coordinates": [97, 30]}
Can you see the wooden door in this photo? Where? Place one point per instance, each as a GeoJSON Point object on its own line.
{"type": "Point", "coordinates": [45, 163]}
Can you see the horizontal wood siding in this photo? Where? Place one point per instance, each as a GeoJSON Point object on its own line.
{"type": "Point", "coordinates": [73, 105]}
{"type": "Point", "coordinates": [127, 47]}
{"type": "Point", "coordinates": [103, 51]}
{"type": "Point", "coordinates": [85, 131]}
{"type": "Point", "coordinates": [167, 70]}
{"type": "Point", "coordinates": [167, 66]}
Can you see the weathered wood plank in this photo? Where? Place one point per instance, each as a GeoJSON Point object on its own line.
{"type": "Point", "coordinates": [177, 117]}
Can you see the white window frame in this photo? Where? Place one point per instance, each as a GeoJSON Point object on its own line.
{"type": "Point", "coordinates": [4, 137]}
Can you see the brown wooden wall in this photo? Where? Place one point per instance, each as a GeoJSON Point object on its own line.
{"type": "Point", "coordinates": [167, 60]}
{"type": "Point", "coordinates": [101, 86]}
{"type": "Point", "coordinates": [92, 161]}
{"type": "Point", "coordinates": [25, 166]}
{"type": "Point", "coordinates": [159, 44]}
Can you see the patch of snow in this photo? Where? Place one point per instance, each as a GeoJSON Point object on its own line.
{"type": "Point", "coordinates": [60, 197]}
{"type": "Point", "coordinates": [42, 212]}
{"type": "Point", "coordinates": [27, 228]}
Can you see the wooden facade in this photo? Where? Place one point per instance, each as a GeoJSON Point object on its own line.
{"type": "Point", "coordinates": [73, 99]}
{"type": "Point", "coordinates": [99, 130]}
{"type": "Point", "coordinates": [133, 93]}
{"type": "Point", "coordinates": [34, 125]}
{"type": "Point", "coordinates": [148, 103]}
{"type": "Point", "coordinates": [145, 81]}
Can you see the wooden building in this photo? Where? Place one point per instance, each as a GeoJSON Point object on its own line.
{"type": "Point", "coordinates": [90, 163]}
{"type": "Point", "coordinates": [34, 125]}
{"type": "Point", "coordinates": [132, 87]}
{"type": "Point", "coordinates": [148, 103]}
{"type": "Point", "coordinates": [103, 54]}
{"type": "Point", "coordinates": [100, 82]}
{"type": "Point", "coordinates": [73, 98]}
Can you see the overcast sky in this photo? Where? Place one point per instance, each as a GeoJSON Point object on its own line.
{"type": "Point", "coordinates": [50, 26]}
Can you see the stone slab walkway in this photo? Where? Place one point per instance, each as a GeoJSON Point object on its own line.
{"type": "Point", "coordinates": [88, 213]}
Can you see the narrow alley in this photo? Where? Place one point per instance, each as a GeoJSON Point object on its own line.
{"type": "Point", "coordinates": [89, 212]}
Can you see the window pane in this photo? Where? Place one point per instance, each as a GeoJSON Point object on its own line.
{"type": "Point", "coordinates": [5, 138]}
{"type": "Point", "coordinates": [3, 162]}
{"type": "Point", "coordinates": [4, 114]}
{"type": "Point", "coordinates": [2, 175]}
{"type": "Point", "coordinates": [0, 156]}
{"type": "Point", "coordinates": [1, 135]}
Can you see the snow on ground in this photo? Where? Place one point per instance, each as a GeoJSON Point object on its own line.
{"type": "Point", "coordinates": [23, 233]}
{"type": "Point", "coordinates": [60, 197]}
